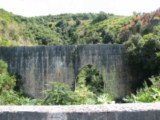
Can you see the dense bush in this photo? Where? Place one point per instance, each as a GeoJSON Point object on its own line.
{"type": "Point", "coordinates": [143, 57]}
{"type": "Point", "coordinates": [59, 94]}
{"type": "Point", "coordinates": [147, 94]}
{"type": "Point", "coordinates": [59, 29]}
{"type": "Point", "coordinates": [100, 17]}
{"type": "Point", "coordinates": [91, 78]}
{"type": "Point", "coordinates": [11, 97]}
{"type": "Point", "coordinates": [7, 82]}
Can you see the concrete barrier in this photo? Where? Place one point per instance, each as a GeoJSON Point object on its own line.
{"type": "Point", "coordinates": [150, 111]}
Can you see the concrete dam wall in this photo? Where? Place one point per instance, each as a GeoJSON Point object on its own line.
{"type": "Point", "coordinates": [40, 65]}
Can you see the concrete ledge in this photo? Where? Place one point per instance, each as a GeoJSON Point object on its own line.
{"type": "Point", "coordinates": [150, 111]}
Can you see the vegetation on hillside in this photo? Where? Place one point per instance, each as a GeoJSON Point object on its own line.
{"type": "Point", "coordinates": [85, 28]}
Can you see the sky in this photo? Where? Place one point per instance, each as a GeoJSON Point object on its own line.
{"type": "Point", "coordinates": [53, 7]}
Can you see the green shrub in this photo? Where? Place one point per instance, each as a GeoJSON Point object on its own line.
{"type": "Point", "coordinates": [10, 97]}
{"type": "Point", "coordinates": [101, 16]}
{"type": "Point", "coordinates": [7, 82]}
{"type": "Point", "coordinates": [59, 94]}
{"type": "Point", "coordinates": [104, 99]}
{"type": "Point", "coordinates": [3, 67]}
{"type": "Point", "coordinates": [84, 96]}
{"type": "Point", "coordinates": [147, 94]}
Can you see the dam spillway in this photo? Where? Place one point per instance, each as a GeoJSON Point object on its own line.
{"type": "Point", "coordinates": [38, 66]}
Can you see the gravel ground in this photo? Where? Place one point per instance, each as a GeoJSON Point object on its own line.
{"type": "Point", "coordinates": [83, 108]}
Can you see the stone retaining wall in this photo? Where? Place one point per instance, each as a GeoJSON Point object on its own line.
{"type": "Point", "coordinates": [149, 111]}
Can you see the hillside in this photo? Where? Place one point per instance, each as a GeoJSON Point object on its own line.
{"type": "Point", "coordinates": [60, 29]}
{"type": "Point", "coordinates": [86, 28]}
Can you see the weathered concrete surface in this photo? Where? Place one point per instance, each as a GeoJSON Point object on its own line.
{"type": "Point", "coordinates": [110, 60]}
{"type": "Point", "coordinates": [150, 111]}
{"type": "Point", "coordinates": [40, 65]}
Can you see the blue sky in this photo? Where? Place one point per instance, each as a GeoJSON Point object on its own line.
{"type": "Point", "coordinates": [46, 7]}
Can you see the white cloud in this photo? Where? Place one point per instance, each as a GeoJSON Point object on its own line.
{"type": "Point", "coordinates": [45, 7]}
